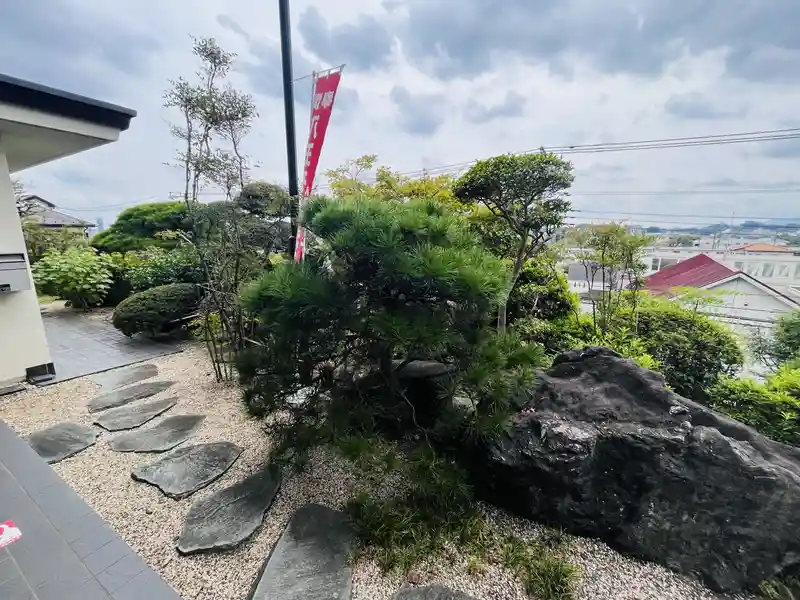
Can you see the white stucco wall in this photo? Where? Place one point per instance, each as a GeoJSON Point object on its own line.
{"type": "Point", "coordinates": [22, 339]}
{"type": "Point", "coordinates": [744, 301]}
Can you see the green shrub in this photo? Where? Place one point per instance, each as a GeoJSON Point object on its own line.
{"type": "Point", "coordinates": [153, 311]}
{"type": "Point", "coordinates": [78, 275]}
{"type": "Point", "coordinates": [786, 379]}
{"type": "Point", "coordinates": [772, 413]}
{"type": "Point", "coordinates": [542, 292]}
{"type": "Point", "coordinates": [155, 266]}
{"type": "Point", "coordinates": [693, 351]}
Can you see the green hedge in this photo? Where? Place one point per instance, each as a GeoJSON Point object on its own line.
{"type": "Point", "coordinates": [773, 413]}
{"type": "Point", "coordinates": [153, 311]}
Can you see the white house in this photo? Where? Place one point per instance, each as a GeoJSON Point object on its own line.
{"type": "Point", "coordinates": [38, 124]}
{"type": "Point", "coordinates": [740, 299]}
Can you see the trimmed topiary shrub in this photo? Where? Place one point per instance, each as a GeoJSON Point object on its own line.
{"type": "Point", "coordinates": [153, 311]}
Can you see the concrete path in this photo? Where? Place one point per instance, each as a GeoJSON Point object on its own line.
{"type": "Point", "coordinates": [66, 551]}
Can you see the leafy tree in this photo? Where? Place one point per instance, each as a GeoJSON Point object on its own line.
{"type": "Point", "coordinates": [541, 292]}
{"type": "Point", "coordinates": [783, 345]}
{"type": "Point", "coordinates": [346, 180]}
{"type": "Point", "coordinates": [214, 120]}
{"type": "Point", "coordinates": [693, 351]}
{"type": "Point", "coordinates": [528, 193]}
{"type": "Point", "coordinates": [138, 227]}
{"type": "Point", "coordinates": [335, 348]}
{"type": "Point", "coordinates": [263, 199]}
{"type": "Point", "coordinates": [38, 240]}
{"type": "Point", "coordinates": [613, 267]}
{"type": "Point", "coordinates": [78, 275]}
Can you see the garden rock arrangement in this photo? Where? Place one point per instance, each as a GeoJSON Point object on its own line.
{"type": "Point", "coordinates": [126, 395]}
{"type": "Point", "coordinates": [230, 516]}
{"type": "Point", "coordinates": [604, 449]}
{"type": "Point", "coordinates": [189, 468]}
{"type": "Point", "coordinates": [61, 441]}
{"type": "Point", "coordinates": [132, 416]}
{"type": "Point", "coordinates": [311, 560]}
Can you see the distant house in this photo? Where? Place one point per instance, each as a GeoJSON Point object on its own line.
{"type": "Point", "coordinates": [762, 247]}
{"type": "Point", "coordinates": [44, 213]}
{"type": "Point", "coordinates": [741, 299]}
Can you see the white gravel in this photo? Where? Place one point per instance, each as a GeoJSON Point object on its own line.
{"type": "Point", "coordinates": [151, 523]}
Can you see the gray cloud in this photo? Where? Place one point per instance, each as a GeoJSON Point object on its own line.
{"type": "Point", "coordinates": [615, 36]}
{"type": "Point", "coordinates": [227, 22]}
{"type": "Point", "coordinates": [693, 105]}
{"type": "Point", "coordinates": [782, 149]}
{"type": "Point", "coordinates": [421, 114]}
{"type": "Point", "coordinates": [363, 45]}
{"type": "Point", "coordinates": [512, 106]}
{"type": "Point", "coordinates": [54, 46]}
{"type": "Point", "coordinates": [265, 74]}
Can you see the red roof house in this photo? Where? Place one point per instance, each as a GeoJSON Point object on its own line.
{"type": "Point", "coordinates": [697, 272]}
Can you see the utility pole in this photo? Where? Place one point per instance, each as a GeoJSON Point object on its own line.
{"type": "Point", "coordinates": [288, 108]}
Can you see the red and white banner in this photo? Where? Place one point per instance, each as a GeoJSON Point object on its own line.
{"type": "Point", "coordinates": [324, 95]}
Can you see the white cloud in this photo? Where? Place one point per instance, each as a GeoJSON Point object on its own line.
{"type": "Point", "coordinates": [570, 99]}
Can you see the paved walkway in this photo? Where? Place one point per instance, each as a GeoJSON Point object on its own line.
{"type": "Point", "coordinates": [66, 552]}
{"type": "Point", "coordinates": [81, 345]}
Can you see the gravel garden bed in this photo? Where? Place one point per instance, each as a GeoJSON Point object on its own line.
{"type": "Point", "coordinates": [151, 522]}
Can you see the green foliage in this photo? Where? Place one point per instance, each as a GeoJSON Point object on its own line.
{"type": "Point", "coordinates": [78, 275]}
{"type": "Point", "coordinates": [541, 292]}
{"type": "Point", "coordinates": [137, 228]}
{"type": "Point", "coordinates": [398, 282]}
{"type": "Point", "coordinates": [783, 345]}
{"type": "Point", "coordinates": [38, 239]}
{"type": "Point", "coordinates": [786, 379]}
{"type": "Point", "coordinates": [776, 414]}
{"type": "Point", "coordinates": [155, 310]}
{"type": "Point", "coordinates": [693, 351]}
{"type": "Point", "coordinates": [786, 587]}
{"type": "Point", "coordinates": [613, 267]}
{"type": "Point", "coordinates": [263, 199]}
{"type": "Point", "coordinates": [527, 192]}
{"type": "Point", "coordinates": [155, 266]}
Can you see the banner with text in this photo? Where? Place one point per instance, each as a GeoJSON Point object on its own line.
{"type": "Point", "coordinates": [325, 86]}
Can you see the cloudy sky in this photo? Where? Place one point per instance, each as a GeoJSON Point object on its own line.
{"type": "Point", "coordinates": [432, 83]}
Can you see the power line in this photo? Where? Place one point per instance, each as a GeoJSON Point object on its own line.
{"type": "Point", "coordinates": [652, 144]}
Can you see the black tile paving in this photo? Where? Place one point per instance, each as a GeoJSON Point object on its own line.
{"type": "Point", "coordinates": [67, 551]}
{"type": "Point", "coordinates": [80, 346]}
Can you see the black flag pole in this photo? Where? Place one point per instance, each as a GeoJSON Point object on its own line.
{"type": "Point", "coordinates": [288, 108]}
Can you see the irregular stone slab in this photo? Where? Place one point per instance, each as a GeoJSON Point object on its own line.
{"type": "Point", "coordinates": [430, 592]}
{"type": "Point", "coordinates": [189, 469]}
{"type": "Point", "coordinates": [230, 516]}
{"type": "Point", "coordinates": [311, 560]}
{"type": "Point", "coordinates": [126, 376]}
{"type": "Point", "coordinates": [164, 436]}
{"type": "Point", "coordinates": [133, 415]}
{"type": "Point", "coordinates": [61, 441]}
{"type": "Point", "coordinates": [124, 396]}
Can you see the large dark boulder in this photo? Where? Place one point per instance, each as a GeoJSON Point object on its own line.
{"type": "Point", "coordinates": [604, 449]}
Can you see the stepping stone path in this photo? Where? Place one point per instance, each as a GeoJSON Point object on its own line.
{"type": "Point", "coordinates": [230, 516]}
{"type": "Point", "coordinates": [126, 395]}
{"type": "Point", "coordinates": [61, 441]}
{"type": "Point", "coordinates": [311, 560]}
{"type": "Point", "coordinates": [164, 436]}
{"type": "Point", "coordinates": [189, 469]}
{"type": "Point", "coordinates": [431, 592]}
{"type": "Point", "coordinates": [133, 415]}
{"type": "Point", "coordinates": [126, 376]}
